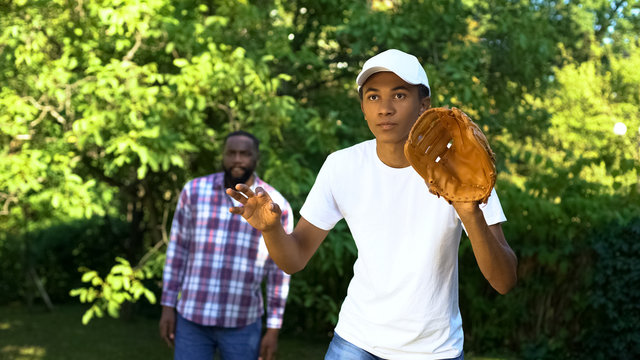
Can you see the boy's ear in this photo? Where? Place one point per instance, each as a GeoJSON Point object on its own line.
{"type": "Point", "coordinates": [425, 104]}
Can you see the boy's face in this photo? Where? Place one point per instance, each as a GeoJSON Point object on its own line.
{"type": "Point", "coordinates": [391, 106]}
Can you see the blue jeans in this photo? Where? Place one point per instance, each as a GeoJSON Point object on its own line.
{"type": "Point", "coordinates": [341, 349]}
{"type": "Point", "coordinates": [194, 341]}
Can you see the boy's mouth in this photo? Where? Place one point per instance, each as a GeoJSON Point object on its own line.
{"type": "Point", "coordinates": [387, 125]}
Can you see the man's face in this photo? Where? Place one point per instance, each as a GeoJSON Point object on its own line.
{"type": "Point", "coordinates": [391, 106]}
{"type": "Point", "coordinates": [239, 160]}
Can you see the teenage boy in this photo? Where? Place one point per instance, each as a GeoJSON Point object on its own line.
{"type": "Point", "coordinates": [402, 302]}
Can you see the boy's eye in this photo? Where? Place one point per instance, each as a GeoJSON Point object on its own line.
{"type": "Point", "coordinates": [401, 96]}
{"type": "Point", "coordinates": [372, 97]}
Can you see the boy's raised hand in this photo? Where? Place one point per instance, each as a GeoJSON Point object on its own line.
{"type": "Point", "coordinates": [257, 208]}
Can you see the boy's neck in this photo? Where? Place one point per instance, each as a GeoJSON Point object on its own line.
{"type": "Point", "coordinates": [392, 155]}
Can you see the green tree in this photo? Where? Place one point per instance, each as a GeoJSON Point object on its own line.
{"type": "Point", "coordinates": [107, 110]}
{"type": "Point", "coordinates": [570, 181]}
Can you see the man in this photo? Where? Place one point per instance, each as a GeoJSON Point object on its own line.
{"type": "Point", "coordinates": [402, 302]}
{"type": "Point", "coordinates": [211, 296]}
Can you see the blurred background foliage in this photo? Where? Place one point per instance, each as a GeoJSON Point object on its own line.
{"type": "Point", "coordinates": [108, 107]}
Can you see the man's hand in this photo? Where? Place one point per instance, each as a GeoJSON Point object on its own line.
{"type": "Point", "coordinates": [168, 325]}
{"type": "Point", "coordinates": [269, 345]}
{"type": "Point", "coordinates": [258, 208]}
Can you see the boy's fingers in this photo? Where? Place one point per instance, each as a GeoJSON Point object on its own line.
{"type": "Point", "coordinates": [243, 193]}
{"type": "Point", "coordinates": [238, 210]}
{"type": "Point", "coordinates": [275, 207]}
{"type": "Point", "coordinates": [237, 196]}
{"type": "Point", "coordinates": [262, 193]}
{"type": "Point", "coordinates": [243, 188]}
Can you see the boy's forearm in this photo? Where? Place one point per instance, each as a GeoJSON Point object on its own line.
{"type": "Point", "coordinates": [284, 249]}
{"type": "Point", "coordinates": [495, 258]}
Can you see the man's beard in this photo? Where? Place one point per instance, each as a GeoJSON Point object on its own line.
{"type": "Point", "coordinates": [231, 182]}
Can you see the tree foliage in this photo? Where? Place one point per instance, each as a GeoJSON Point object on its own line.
{"type": "Point", "coordinates": [108, 107]}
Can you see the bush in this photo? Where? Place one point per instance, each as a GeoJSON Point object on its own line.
{"type": "Point", "coordinates": [56, 254]}
{"type": "Point", "coordinates": [573, 266]}
{"type": "Point", "coordinates": [12, 275]}
{"type": "Point", "coordinates": [614, 329]}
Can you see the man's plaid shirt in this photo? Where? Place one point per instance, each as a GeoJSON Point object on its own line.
{"type": "Point", "coordinates": [216, 261]}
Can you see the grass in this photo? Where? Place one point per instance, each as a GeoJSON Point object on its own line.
{"type": "Point", "coordinates": [37, 334]}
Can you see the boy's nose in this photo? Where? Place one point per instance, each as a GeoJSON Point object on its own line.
{"type": "Point", "coordinates": [386, 108]}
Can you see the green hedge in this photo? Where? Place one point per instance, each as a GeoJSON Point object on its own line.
{"type": "Point", "coordinates": [614, 299]}
{"type": "Point", "coordinates": [56, 254]}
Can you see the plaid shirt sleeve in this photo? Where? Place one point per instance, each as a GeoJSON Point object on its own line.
{"type": "Point", "coordinates": [278, 280]}
{"type": "Point", "coordinates": [177, 250]}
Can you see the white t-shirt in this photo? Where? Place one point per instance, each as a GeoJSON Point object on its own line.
{"type": "Point", "coordinates": [402, 302]}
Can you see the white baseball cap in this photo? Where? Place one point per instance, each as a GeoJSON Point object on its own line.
{"type": "Point", "coordinates": [406, 66]}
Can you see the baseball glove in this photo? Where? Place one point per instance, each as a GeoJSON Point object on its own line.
{"type": "Point", "coordinates": [452, 155]}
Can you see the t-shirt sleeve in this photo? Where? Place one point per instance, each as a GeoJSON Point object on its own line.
{"type": "Point", "coordinates": [320, 207]}
{"type": "Point", "coordinates": [492, 210]}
